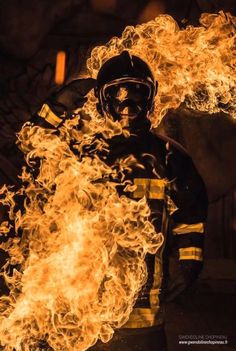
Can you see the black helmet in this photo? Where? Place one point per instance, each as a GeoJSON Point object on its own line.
{"type": "Point", "coordinates": [125, 87]}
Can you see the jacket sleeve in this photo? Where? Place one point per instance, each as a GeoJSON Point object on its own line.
{"type": "Point", "coordinates": [62, 104]}
{"type": "Point", "coordinates": [188, 196]}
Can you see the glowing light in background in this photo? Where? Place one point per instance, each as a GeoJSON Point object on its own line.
{"type": "Point", "coordinates": [152, 10]}
{"type": "Point", "coordinates": [60, 67]}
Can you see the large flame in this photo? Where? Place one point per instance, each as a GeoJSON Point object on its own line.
{"type": "Point", "coordinates": [76, 264]}
{"type": "Point", "coordinates": [81, 253]}
{"type": "Point", "coordinates": [195, 65]}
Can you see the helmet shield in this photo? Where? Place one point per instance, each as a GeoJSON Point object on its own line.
{"type": "Point", "coordinates": [126, 97]}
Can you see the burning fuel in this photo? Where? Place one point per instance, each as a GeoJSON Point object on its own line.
{"type": "Point", "coordinates": [81, 252]}
{"type": "Point", "coordinates": [76, 263]}
{"type": "Point", "coordinates": [195, 66]}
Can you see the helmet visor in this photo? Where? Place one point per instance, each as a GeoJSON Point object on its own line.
{"type": "Point", "coordinates": [127, 97]}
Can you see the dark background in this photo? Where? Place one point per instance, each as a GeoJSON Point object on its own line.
{"type": "Point", "coordinates": [31, 34]}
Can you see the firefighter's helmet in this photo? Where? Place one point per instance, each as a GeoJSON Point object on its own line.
{"type": "Point", "coordinates": [125, 87]}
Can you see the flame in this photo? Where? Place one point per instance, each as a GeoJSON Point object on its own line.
{"type": "Point", "coordinates": [81, 253]}
{"type": "Point", "coordinates": [76, 264]}
{"type": "Point", "coordinates": [195, 66]}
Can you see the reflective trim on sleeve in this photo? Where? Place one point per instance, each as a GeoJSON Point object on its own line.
{"type": "Point", "coordinates": [143, 318]}
{"type": "Point", "coordinates": [49, 116]}
{"type": "Point", "coordinates": [191, 253]}
{"type": "Point", "coordinates": [151, 188]}
{"type": "Point", "coordinates": [188, 228]}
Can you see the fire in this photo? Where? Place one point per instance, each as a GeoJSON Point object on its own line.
{"type": "Point", "coordinates": [81, 254]}
{"type": "Point", "coordinates": [195, 66]}
{"type": "Point", "coordinates": [60, 67]}
{"type": "Point", "coordinates": [78, 255]}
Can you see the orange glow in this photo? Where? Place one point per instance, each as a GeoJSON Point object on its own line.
{"type": "Point", "coordinates": [104, 5]}
{"type": "Point", "coordinates": [152, 10]}
{"type": "Point", "coordinates": [60, 67]}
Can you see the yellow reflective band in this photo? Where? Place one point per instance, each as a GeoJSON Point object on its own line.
{"type": "Point", "coordinates": [151, 188]}
{"type": "Point", "coordinates": [143, 317]}
{"type": "Point", "coordinates": [191, 253]}
{"type": "Point", "coordinates": [188, 228]}
{"type": "Point", "coordinates": [49, 116]}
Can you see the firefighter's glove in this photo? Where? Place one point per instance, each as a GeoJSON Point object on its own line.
{"type": "Point", "coordinates": [188, 272]}
{"type": "Point", "coordinates": [70, 97]}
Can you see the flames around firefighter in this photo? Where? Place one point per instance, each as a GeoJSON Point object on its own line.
{"type": "Point", "coordinates": [76, 263]}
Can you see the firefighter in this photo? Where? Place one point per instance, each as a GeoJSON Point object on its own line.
{"type": "Point", "coordinates": [125, 89]}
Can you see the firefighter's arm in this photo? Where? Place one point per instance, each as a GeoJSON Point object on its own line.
{"type": "Point", "coordinates": [62, 104]}
{"type": "Point", "coordinates": [188, 193]}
